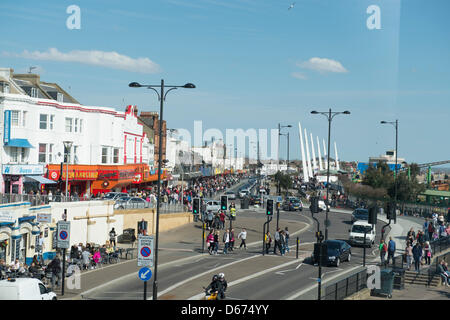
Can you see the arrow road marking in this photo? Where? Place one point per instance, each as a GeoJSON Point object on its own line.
{"type": "Point", "coordinates": [283, 271]}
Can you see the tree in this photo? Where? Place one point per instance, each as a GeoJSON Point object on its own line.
{"type": "Point", "coordinates": [284, 180]}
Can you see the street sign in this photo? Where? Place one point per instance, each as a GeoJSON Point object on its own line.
{"type": "Point", "coordinates": [44, 217]}
{"type": "Point", "coordinates": [145, 251]}
{"type": "Point", "coordinates": [279, 199]}
{"type": "Point", "coordinates": [145, 274]}
{"type": "Point", "coordinates": [63, 235]}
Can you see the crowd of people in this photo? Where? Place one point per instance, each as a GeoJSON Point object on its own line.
{"type": "Point", "coordinates": [281, 241]}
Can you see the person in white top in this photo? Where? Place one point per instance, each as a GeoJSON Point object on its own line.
{"type": "Point", "coordinates": [243, 237]}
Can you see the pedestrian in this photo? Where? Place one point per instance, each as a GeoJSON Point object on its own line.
{"type": "Point", "coordinates": [267, 241]}
{"type": "Point", "coordinates": [409, 255]}
{"type": "Point", "coordinates": [427, 252]}
{"type": "Point", "coordinates": [282, 242]}
{"type": "Point", "coordinates": [55, 267]}
{"type": "Point", "coordinates": [209, 219]}
{"type": "Point", "coordinates": [231, 247]}
{"type": "Point", "coordinates": [411, 236]}
{"type": "Point", "coordinates": [226, 241]}
{"type": "Point", "coordinates": [216, 241]}
{"type": "Point", "coordinates": [86, 258]}
{"type": "Point", "coordinates": [420, 237]}
{"type": "Point", "coordinates": [112, 237]}
{"type": "Point", "coordinates": [243, 236]}
{"type": "Point", "coordinates": [417, 254]}
{"type": "Point", "coordinates": [210, 241]}
{"type": "Point", "coordinates": [391, 250]}
{"type": "Point", "coordinates": [277, 242]}
{"type": "Point", "coordinates": [286, 232]}
{"type": "Point", "coordinates": [383, 250]}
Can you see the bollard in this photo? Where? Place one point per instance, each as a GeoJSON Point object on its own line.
{"type": "Point", "coordinates": [296, 254]}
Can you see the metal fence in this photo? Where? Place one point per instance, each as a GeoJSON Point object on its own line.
{"type": "Point", "coordinates": [164, 207]}
{"type": "Point", "coordinates": [346, 287]}
{"type": "Point", "coordinates": [38, 200]}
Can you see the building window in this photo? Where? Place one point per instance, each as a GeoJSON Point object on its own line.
{"type": "Point", "coordinates": [15, 118]}
{"type": "Point", "coordinates": [75, 154]}
{"type": "Point", "coordinates": [43, 121]}
{"type": "Point", "coordinates": [34, 93]}
{"type": "Point", "coordinates": [24, 119]}
{"type": "Point", "coordinates": [69, 124]}
{"type": "Point", "coordinates": [14, 154]}
{"type": "Point", "coordinates": [60, 97]}
{"type": "Point", "coordinates": [42, 153]}
{"type": "Point", "coordinates": [76, 125]}
{"type": "Point", "coordinates": [52, 120]}
{"type": "Point", "coordinates": [23, 155]}
{"type": "Point", "coordinates": [81, 125]}
{"type": "Point", "coordinates": [116, 155]}
{"type": "Point", "coordinates": [105, 154]}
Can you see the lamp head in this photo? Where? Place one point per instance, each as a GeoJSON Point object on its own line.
{"type": "Point", "coordinates": [383, 122]}
{"type": "Point", "coordinates": [314, 112]}
{"type": "Point", "coordinates": [134, 85]}
{"type": "Point", "coordinates": [189, 86]}
{"type": "Point", "coordinates": [346, 112]}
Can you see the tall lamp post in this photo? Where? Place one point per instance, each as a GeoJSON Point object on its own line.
{"type": "Point", "coordinates": [395, 124]}
{"type": "Point", "coordinates": [161, 97]}
{"type": "Point", "coordinates": [278, 152]}
{"type": "Point", "coordinates": [67, 147]}
{"type": "Point", "coordinates": [329, 115]}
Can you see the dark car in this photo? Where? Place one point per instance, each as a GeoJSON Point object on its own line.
{"type": "Point", "coordinates": [253, 199]}
{"type": "Point", "coordinates": [292, 204]}
{"type": "Point", "coordinates": [337, 251]}
{"type": "Point", "coordinates": [360, 214]}
{"type": "Point", "coordinates": [126, 236]}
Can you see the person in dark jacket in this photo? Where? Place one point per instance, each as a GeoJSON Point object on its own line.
{"type": "Point", "coordinates": [417, 254]}
{"type": "Point", "coordinates": [55, 267]}
{"type": "Point", "coordinates": [391, 250]}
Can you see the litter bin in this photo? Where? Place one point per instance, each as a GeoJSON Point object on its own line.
{"type": "Point", "coordinates": [387, 283]}
{"type": "Point", "coordinates": [399, 279]}
{"type": "Point", "coordinates": [244, 203]}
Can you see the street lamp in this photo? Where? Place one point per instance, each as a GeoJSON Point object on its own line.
{"type": "Point", "coordinates": [395, 124]}
{"type": "Point", "coordinates": [67, 147]}
{"type": "Point", "coordinates": [161, 97]}
{"type": "Point", "coordinates": [329, 115]}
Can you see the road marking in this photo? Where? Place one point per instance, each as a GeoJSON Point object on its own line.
{"type": "Point", "coordinates": [282, 272]}
{"type": "Point", "coordinates": [236, 282]}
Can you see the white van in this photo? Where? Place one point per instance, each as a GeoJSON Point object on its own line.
{"type": "Point", "coordinates": [356, 235]}
{"type": "Point", "coordinates": [25, 289]}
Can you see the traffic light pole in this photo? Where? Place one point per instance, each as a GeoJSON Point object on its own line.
{"type": "Point", "coordinates": [319, 240]}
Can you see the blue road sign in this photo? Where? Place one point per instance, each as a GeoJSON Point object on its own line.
{"type": "Point", "coordinates": [145, 274]}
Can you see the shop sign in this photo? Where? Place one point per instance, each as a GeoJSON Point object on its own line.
{"type": "Point", "coordinates": [75, 174]}
{"type": "Point", "coordinates": [7, 127]}
{"type": "Point", "coordinates": [7, 216]}
{"type": "Point", "coordinates": [44, 218]}
{"type": "Point", "coordinates": [23, 169]}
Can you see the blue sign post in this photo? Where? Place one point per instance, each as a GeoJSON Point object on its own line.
{"type": "Point", "coordinates": [145, 274]}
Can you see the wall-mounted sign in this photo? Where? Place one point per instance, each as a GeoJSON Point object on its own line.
{"type": "Point", "coordinates": [27, 169]}
{"type": "Point", "coordinates": [7, 216]}
{"type": "Point", "coordinates": [7, 127]}
{"type": "Point", "coordinates": [44, 217]}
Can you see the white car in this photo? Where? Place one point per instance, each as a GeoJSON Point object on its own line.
{"type": "Point", "coordinates": [322, 206]}
{"type": "Point", "coordinates": [231, 195]}
{"type": "Point", "coordinates": [25, 289]}
{"type": "Point", "coordinates": [212, 205]}
{"type": "Point", "coordinates": [356, 234]}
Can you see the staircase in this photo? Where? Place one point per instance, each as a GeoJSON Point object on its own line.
{"type": "Point", "coordinates": [422, 278]}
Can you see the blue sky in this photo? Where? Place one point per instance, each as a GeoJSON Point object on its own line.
{"type": "Point", "coordinates": [255, 63]}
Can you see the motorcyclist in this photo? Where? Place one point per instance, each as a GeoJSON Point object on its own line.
{"type": "Point", "coordinates": [213, 286]}
{"type": "Point", "coordinates": [222, 286]}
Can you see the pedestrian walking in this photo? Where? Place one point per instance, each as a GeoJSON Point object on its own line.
{"type": "Point", "coordinates": [243, 236]}
{"type": "Point", "coordinates": [391, 250]}
{"type": "Point", "coordinates": [216, 241]}
{"type": "Point", "coordinates": [267, 241]}
{"type": "Point", "coordinates": [427, 252]}
{"type": "Point", "coordinates": [55, 267]}
{"type": "Point", "coordinates": [409, 255]}
{"type": "Point", "coordinates": [231, 246]}
{"type": "Point", "coordinates": [282, 243]}
{"type": "Point", "coordinates": [383, 250]}
{"type": "Point", "coordinates": [222, 220]}
{"type": "Point", "coordinates": [209, 219]}
{"type": "Point", "coordinates": [210, 241]}
{"type": "Point", "coordinates": [411, 236]}
{"type": "Point", "coordinates": [226, 241]}
{"type": "Point", "coordinates": [112, 237]}
{"type": "Point", "coordinates": [277, 242]}
{"type": "Point", "coordinates": [286, 233]}
{"type": "Point", "coordinates": [417, 254]}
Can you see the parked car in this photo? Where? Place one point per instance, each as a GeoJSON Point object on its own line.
{"type": "Point", "coordinates": [130, 203]}
{"type": "Point", "coordinates": [254, 199]}
{"type": "Point", "coordinates": [114, 195]}
{"type": "Point", "coordinates": [356, 234]}
{"type": "Point", "coordinates": [243, 193]}
{"type": "Point", "coordinates": [25, 289]}
{"type": "Point", "coordinates": [337, 251]}
{"type": "Point", "coordinates": [212, 205]}
{"type": "Point", "coordinates": [360, 214]}
{"type": "Point", "coordinates": [126, 236]}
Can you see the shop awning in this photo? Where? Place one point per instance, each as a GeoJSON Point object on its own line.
{"type": "Point", "coordinates": [39, 179]}
{"type": "Point", "coordinates": [19, 143]}
{"type": "Point", "coordinates": [29, 218]}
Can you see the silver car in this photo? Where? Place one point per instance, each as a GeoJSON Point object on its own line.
{"type": "Point", "coordinates": [130, 203]}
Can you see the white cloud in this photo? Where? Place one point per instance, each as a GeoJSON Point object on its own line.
{"type": "Point", "coordinates": [299, 75]}
{"type": "Point", "coordinates": [322, 65]}
{"type": "Point", "coordinates": [105, 59]}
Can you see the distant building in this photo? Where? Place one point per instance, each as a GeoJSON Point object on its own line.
{"type": "Point", "coordinates": [388, 158]}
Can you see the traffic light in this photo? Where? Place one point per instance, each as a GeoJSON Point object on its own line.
{"type": "Point", "coordinates": [269, 207]}
{"type": "Point", "coordinates": [196, 206]}
{"type": "Point", "coordinates": [372, 219]}
{"type": "Point", "coordinates": [391, 213]}
{"type": "Point", "coordinates": [223, 203]}
{"type": "Point", "coordinates": [314, 205]}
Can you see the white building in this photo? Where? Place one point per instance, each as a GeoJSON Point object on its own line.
{"type": "Point", "coordinates": [108, 148]}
